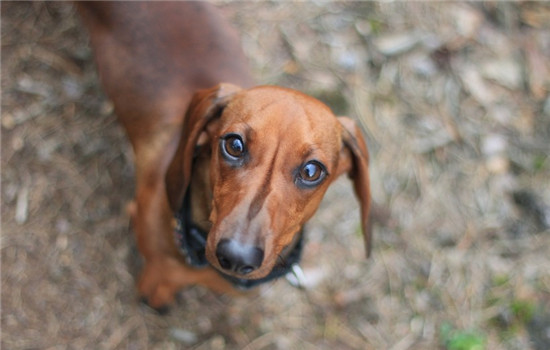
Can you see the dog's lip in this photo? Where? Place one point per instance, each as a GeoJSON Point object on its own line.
{"type": "Point", "coordinates": [251, 276]}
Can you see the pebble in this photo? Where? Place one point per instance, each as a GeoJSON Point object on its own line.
{"type": "Point", "coordinates": [506, 72]}
{"type": "Point", "coordinates": [396, 44]}
{"type": "Point", "coordinates": [183, 336]}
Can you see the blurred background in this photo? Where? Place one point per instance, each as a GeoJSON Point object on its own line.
{"type": "Point", "coordinates": [454, 101]}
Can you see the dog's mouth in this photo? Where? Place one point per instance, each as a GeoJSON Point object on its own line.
{"type": "Point", "coordinates": [244, 269]}
{"type": "Point", "coordinates": [199, 250]}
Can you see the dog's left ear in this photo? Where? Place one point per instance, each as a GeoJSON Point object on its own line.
{"type": "Point", "coordinates": [206, 105]}
{"type": "Point", "coordinates": [354, 159]}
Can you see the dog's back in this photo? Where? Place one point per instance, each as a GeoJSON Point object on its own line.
{"type": "Point", "coordinates": [152, 53]}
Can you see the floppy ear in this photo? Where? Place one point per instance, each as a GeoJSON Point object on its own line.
{"type": "Point", "coordinates": [206, 105]}
{"type": "Point", "coordinates": [355, 160]}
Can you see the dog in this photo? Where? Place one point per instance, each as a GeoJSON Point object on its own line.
{"type": "Point", "coordinates": [227, 173]}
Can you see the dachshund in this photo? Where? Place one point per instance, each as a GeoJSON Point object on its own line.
{"type": "Point", "coordinates": [227, 173]}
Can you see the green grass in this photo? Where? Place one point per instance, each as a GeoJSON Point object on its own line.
{"type": "Point", "coordinates": [453, 339]}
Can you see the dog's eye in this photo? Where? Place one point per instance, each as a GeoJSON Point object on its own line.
{"type": "Point", "coordinates": [233, 146]}
{"type": "Point", "coordinates": [311, 174]}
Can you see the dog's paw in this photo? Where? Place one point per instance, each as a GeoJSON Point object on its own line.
{"type": "Point", "coordinates": [160, 280]}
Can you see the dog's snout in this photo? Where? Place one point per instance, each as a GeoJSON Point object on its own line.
{"type": "Point", "coordinates": [237, 257]}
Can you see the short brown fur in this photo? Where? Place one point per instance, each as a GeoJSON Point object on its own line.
{"type": "Point", "coordinates": [167, 66]}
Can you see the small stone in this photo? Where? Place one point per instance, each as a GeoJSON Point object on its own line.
{"type": "Point", "coordinates": [396, 44]}
{"type": "Point", "coordinates": [498, 165]}
{"type": "Point", "coordinates": [506, 72]}
{"type": "Point", "coordinates": [494, 144]}
{"type": "Point", "coordinates": [183, 336]}
{"type": "Point", "coordinates": [8, 121]}
{"type": "Point", "coordinates": [474, 83]}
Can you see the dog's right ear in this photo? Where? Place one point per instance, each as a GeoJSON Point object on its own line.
{"type": "Point", "coordinates": [206, 106]}
{"type": "Point", "coordinates": [355, 159]}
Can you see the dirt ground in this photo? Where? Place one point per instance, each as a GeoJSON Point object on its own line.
{"type": "Point", "coordinates": [454, 100]}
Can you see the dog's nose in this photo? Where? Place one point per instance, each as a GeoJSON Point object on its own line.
{"type": "Point", "coordinates": [237, 257]}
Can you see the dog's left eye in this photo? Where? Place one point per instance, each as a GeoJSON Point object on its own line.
{"type": "Point", "coordinates": [233, 147]}
{"type": "Point", "coordinates": [311, 174]}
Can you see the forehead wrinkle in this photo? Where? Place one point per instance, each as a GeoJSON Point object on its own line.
{"type": "Point", "coordinates": [301, 125]}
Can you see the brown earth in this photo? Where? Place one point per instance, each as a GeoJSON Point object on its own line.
{"type": "Point", "coordinates": [454, 100]}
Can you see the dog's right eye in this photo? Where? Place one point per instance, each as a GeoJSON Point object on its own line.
{"type": "Point", "coordinates": [311, 174]}
{"type": "Point", "coordinates": [233, 147]}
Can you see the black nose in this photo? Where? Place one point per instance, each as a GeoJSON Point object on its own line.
{"type": "Point", "coordinates": [237, 257]}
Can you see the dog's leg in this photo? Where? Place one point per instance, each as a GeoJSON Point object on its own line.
{"type": "Point", "coordinates": [164, 273]}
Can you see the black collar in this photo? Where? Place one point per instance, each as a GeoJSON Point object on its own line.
{"type": "Point", "coordinates": [191, 241]}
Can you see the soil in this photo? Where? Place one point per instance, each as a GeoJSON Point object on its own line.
{"type": "Point", "coordinates": [454, 101]}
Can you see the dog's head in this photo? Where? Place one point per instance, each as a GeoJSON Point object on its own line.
{"type": "Point", "coordinates": [273, 154]}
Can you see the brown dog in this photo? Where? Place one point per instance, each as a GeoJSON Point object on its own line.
{"type": "Point", "coordinates": [242, 170]}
